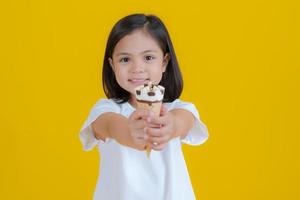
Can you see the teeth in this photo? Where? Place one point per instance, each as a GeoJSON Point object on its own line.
{"type": "Point", "coordinates": [138, 81]}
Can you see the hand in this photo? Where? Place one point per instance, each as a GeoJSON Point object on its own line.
{"type": "Point", "coordinates": [137, 125]}
{"type": "Point", "coordinates": [160, 129]}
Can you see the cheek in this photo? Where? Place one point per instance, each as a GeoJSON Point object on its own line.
{"type": "Point", "coordinates": [156, 75]}
{"type": "Point", "coordinates": [119, 72]}
{"type": "Point", "coordinates": [158, 69]}
{"type": "Point", "coordinates": [120, 76]}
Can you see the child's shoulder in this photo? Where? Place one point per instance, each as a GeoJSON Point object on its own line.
{"type": "Point", "coordinates": [178, 103]}
{"type": "Point", "coordinates": [107, 103]}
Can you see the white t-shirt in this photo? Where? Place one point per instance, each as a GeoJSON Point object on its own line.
{"type": "Point", "coordinates": [128, 174]}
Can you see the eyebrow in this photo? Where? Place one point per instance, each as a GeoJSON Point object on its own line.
{"type": "Point", "coordinates": [125, 53]}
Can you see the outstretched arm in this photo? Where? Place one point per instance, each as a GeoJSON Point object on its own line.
{"type": "Point", "coordinates": [127, 131]}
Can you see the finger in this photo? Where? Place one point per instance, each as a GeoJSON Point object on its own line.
{"type": "Point", "coordinates": [158, 140]}
{"type": "Point", "coordinates": [139, 114]}
{"type": "Point", "coordinates": [140, 134]}
{"type": "Point", "coordinates": [152, 125]}
{"type": "Point", "coordinates": [158, 120]}
{"type": "Point", "coordinates": [158, 147]}
{"type": "Point", "coordinates": [139, 124]}
{"type": "Point", "coordinates": [163, 110]}
{"type": "Point", "coordinates": [155, 132]}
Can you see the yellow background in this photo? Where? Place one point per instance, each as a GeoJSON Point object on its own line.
{"type": "Point", "coordinates": [240, 61]}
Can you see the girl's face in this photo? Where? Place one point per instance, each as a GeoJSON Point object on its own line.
{"type": "Point", "coordinates": [137, 59]}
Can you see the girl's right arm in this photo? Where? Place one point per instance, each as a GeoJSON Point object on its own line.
{"type": "Point", "coordinates": [127, 131]}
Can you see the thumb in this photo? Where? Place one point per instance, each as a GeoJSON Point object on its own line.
{"type": "Point", "coordinates": [163, 110]}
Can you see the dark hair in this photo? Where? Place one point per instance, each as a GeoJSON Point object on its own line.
{"type": "Point", "coordinates": [171, 78]}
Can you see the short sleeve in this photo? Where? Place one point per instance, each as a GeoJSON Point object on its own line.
{"type": "Point", "coordinates": [199, 133]}
{"type": "Point", "coordinates": [86, 135]}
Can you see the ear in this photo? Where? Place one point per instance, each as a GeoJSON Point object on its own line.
{"type": "Point", "coordinates": [166, 60]}
{"type": "Point", "coordinates": [111, 63]}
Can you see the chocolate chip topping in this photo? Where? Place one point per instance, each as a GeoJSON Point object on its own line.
{"type": "Point", "coordinates": [151, 93]}
{"type": "Point", "coordinates": [138, 92]}
{"type": "Point", "coordinates": [151, 87]}
{"type": "Point", "coordinates": [145, 84]}
{"type": "Point", "coordinates": [162, 92]}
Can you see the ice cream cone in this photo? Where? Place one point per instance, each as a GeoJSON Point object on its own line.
{"type": "Point", "coordinates": [150, 97]}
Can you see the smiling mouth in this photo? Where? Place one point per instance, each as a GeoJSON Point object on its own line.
{"type": "Point", "coordinates": [138, 81]}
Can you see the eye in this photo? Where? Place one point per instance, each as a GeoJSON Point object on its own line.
{"type": "Point", "coordinates": [125, 59]}
{"type": "Point", "coordinates": [148, 58]}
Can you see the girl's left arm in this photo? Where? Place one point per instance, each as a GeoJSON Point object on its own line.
{"type": "Point", "coordinates": [175, 123]}
{"type": "Point", "coordinates": [183, 122]}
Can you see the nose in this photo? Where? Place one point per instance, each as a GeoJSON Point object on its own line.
{"type": "Point", "coordinates": [137, 67]}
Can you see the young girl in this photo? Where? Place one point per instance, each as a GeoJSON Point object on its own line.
{"type": "Point", "coordinates": [140, 50]}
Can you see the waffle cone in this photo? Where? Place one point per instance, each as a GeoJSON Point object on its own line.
{"type": "Point", "coordinates": [155, 109]}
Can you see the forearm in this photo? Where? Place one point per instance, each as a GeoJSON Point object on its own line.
{"type": "Point", "coordinates": [118, 129]}
{"type": "Point", "coordinates": [183, 122]}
